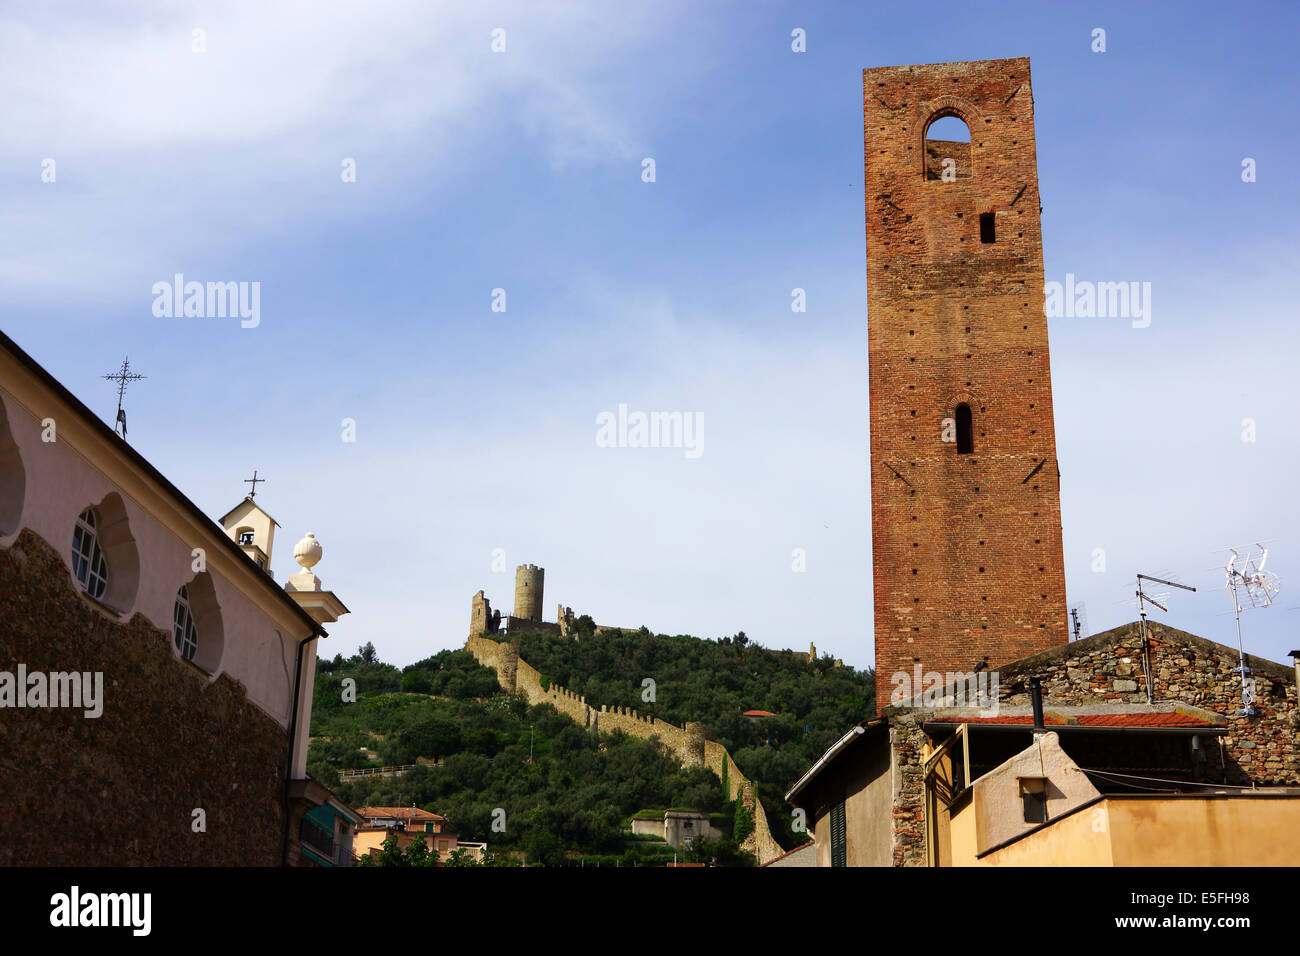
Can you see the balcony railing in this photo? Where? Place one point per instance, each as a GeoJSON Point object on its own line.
{"type": "Point", "coordinates": [317, 837]}
{"type": "Point", "coordinates": [398, 771]}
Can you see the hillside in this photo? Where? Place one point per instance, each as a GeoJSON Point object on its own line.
{"type": "Point", "coordinates": [715, 683]}
{"type": "Point", "coordinates": [579, 791]}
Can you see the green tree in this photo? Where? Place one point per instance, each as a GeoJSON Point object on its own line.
{"type": "Point", "coordinates": [723, 852]}
{"type": "Point", "coordinates": [744, 824]}
{"type": "Point", "coordinates": [544, 847]}
{"type": "Point", "coordinates": [418, 853]}
{"type": "Point", "coordinates": [390, 853]}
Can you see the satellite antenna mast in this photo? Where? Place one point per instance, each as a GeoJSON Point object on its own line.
{"type": "Point", "coordinates": [1260, 586]}
{"type": "Point", "coordinates": [1079, 620]}
{"type": "Point", "coordinates": [1143, 600]}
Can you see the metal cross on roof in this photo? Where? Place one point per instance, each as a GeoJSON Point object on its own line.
{"type": "Point", "coordinates": [254, 482]}
{"type": "Point", "coordinates": [122, 376]}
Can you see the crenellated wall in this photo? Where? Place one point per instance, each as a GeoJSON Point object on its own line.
{"type": "Point", "coordinates": [687, 743]}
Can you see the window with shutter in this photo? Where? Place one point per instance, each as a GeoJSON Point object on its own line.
{"type": "Point", "coordinates": [839, 843]}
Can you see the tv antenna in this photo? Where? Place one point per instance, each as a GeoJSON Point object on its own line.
{"type": "Point", "coordinates": [1079, 621]}
{"type": "Point", "coordinates": [1260, 586]}
{"type": "Point", "coordinates": [1143, 599]}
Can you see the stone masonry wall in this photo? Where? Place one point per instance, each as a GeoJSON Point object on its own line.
{"type": "Point", "coordinates": [760, 842]}
{"type": "Point", "coordinates": [1263, 750]}
{"type": "Point", "coordinates": [120, 789]}
{"type": "Point", "coordinates": [1106, 668]}
{"type": "Point", "coordinates": [687, 743]}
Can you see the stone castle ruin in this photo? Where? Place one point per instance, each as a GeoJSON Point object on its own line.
{"type": "Point", "coordinates": [530, 582]}
{"type": "Point", "coordinates": [517, 676]}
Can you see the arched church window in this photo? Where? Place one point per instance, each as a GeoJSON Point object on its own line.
{"type": "Point", "coordinates": [187, 635]}
{"type": "Point", "coordinates": [13, 480]}
{"type": "Point", "coordinates": [88, 562]}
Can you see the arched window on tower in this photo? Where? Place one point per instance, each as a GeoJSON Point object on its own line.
{"type": "Point", "coordinates": [947, 149]}
{"type": "Point", "coordinates": [965, 430]}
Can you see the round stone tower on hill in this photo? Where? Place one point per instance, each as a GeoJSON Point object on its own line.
{"type": "Point", "coordinates": [529, 581]}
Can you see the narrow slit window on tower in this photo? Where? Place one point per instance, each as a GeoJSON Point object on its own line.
{"type": "Point", "coordinates": [988, 228]}
{"type": "Point", "coordinates": [965, 433]}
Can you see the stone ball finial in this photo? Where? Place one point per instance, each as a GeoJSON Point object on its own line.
{"type": "Point", "coordinates": [308, 551]}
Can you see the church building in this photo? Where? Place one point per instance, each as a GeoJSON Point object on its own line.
{"type": "Point", "coordinates": [155, 680]}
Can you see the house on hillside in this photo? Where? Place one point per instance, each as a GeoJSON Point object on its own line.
{"type": "Point", "coordinates": [328, 834]}
{"type": "Point", "coordinates": [378, 823]}
{"type": "Point", "coordinates": [675, 826]}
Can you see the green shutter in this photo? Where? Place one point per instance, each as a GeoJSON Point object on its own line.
{"type": "Point", "coordinates": [839, 842]}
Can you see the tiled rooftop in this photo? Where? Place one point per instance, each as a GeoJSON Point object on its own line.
{"type": "Point", "coordinates": [1090, 720]}
{"type": "Point", "coordinates": [398, 813]}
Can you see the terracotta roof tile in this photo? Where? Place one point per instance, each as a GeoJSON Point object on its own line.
{"type": "Point", "coordinates": [398, 813]}
{"type": "Point", "coordinates": [1091, 720]}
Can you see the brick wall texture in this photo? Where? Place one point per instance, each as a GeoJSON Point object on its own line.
{"type": "Point", "coordinates": [121, 789]}
{"type": "Point", "coordinates": [967, 547]}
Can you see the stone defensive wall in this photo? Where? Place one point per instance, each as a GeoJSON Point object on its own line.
{"type": "Point", "coordinates": [687, 743]}
{"type": "Point", "coordinates": [760, 842]}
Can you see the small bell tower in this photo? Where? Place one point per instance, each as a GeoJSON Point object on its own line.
{"type": "Point", "coordinates": [253, 530]}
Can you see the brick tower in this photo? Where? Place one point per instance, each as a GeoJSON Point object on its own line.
{"type": "Point", "coordinates": [965, 497]}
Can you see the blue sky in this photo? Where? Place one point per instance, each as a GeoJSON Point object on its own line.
{"type": "Point", "coordinates": [521, 170]}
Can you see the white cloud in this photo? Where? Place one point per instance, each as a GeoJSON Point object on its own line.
{"type": "Point", "coordinates": [165, 154]}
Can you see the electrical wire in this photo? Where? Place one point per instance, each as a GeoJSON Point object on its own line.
{"type": "Point", "coordinates": [1181, 783]}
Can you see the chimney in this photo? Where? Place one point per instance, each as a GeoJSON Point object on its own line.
{"type": "Point", "coordinates": [1036, 699]}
